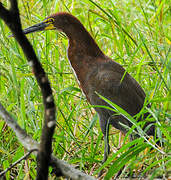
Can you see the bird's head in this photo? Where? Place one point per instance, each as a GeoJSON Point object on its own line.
{"type": "Point", "coordinates": [60, 21]}
{"type": "Point", "coordinates": [72, 27]}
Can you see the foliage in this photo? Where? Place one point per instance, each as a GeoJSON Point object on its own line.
{"type": "Point", "coordinates": [133, 33]}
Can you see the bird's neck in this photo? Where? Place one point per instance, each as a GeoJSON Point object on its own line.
{"type": "Point", "coordinates": [83, 52]}
{"type": "Point", "coordinates": [81, 42]}
{"type": "Point", "coordinates": [82, 48]}
{"type": "Point", "coordinates": [81, 58]}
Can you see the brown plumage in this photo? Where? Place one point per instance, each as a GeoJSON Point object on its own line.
{"type": "Point", "coordinates": [98, 73]}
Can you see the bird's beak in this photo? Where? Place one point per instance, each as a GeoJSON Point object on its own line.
{"type": "Point", "coordinates": [47, 24]}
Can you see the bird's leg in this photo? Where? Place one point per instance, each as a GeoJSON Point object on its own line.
{"type": "Point", "coordinates": [106, 152]}
{"type": "Point", "coordinates": [120, 136]}
{"type": "Point", "coordinates": [106, 141]}
{"type": "Point", "coordinates": [107, 147]}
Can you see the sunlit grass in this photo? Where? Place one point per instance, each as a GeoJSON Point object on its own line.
{"type": "Point", "coordinates": [133, 33]}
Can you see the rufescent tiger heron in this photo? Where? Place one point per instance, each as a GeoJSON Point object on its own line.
{"type": "Point", "coordinates": [97, 73]}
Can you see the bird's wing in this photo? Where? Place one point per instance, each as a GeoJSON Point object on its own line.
{"type": "Point", "coordinates": [127, 93]}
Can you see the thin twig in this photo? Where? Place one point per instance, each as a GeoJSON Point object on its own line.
{"type": "Point", "coordinates": [17, 162]}
{"type": "Point", "coordinates": [12, 19]}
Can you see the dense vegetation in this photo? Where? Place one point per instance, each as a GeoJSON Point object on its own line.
{"type": "Point", "coordinates": [133, 33]}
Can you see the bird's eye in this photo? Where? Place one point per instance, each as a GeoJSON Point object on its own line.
{"type": "Point", "coordinates": [51, 20]}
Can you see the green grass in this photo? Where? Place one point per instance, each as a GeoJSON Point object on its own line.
{"type": "Point", "coordinates": [137, 35]}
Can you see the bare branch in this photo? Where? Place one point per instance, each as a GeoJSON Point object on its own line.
{"type": "Point", "coordinates": [12, 19]}
{"type": "Point", "coordinates": [14, 6]}
{"type": "Point", "coordinates": [62, 167]}
{"type": "Point", "coordinates": [4, 13]}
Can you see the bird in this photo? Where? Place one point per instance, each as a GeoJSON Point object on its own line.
{"type": "Point", "coordinates": [97, 74]}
